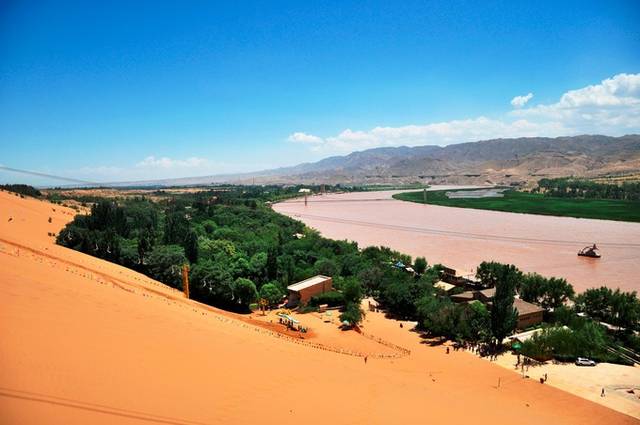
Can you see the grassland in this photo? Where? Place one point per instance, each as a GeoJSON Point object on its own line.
{"type": "Point", "coordinates": [534, 203]}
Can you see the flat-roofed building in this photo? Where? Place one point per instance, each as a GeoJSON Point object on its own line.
{"type": "Point", "coordinates": [301, 292]}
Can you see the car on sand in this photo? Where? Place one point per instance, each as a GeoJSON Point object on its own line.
{"type": "Point", "coordinates": [581, 361]}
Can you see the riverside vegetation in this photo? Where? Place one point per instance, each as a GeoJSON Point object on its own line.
{"type": "Point", "coordinates": [558, 197]}
{"type": "Point", "coordinates": [240, 250]}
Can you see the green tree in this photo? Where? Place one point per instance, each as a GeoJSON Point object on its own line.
{"type": "Point", "coordinates": [446, 320]}
{"type": "Point", "coordinates": [176, 227]}
{"type": "Point", "coordinates": [371, 278]}
{"type": "Point", "coordinates": [478, 319]}
{"type": "Point", "coordinates": [272, 263]}
{"type": "Point", "coordinates": [503, 315]}
{"type": "Point", "coordinates": [272, 293]}
{"type": "Point", "coordinates": [595, 302]}
{"type": "Point", "coordinates": [557, 292]}
{"type": "Point", "coordinates": [352, 313]}
{"type": "Point", "coordinates": [165, 264]}
{"type": "Point", "coordinates": [352, 291]}
{"type": "Point", "coordinates": [327, 267]}
{"type": "Point", "coordinates": [532, 288]}
{"type": "Point", "coordinates": [144, 245]}
{"type": "Point", "coordinates": [191, 246]}
{"type": "Point", "coordinates": [286, 268]}
{"type": "Point", "coordinates": [399, 300]}
{"type": "Point", "coordinates": [488, 272]}
{"type": "Point", "coordinates": [547, 292]}
{"type": "Point", "coordinates": [426, 307]}
{"type": "Point", "coordinates": [420, 265]}
{"type": "Point", "coordinates": [625, 309]}
{"type": "Point", "coordinates": [258, 265]}
{"type": "Point", "coordinates": [244, 292]}
{"type": "Point", "coordinates": [212, 283]}
{"type": "Point", "coordinates": [129, 253]}
{"type": "Point", "coordinates": [614, 307]}
{"type": "Point", "coordinates": [216, 248]}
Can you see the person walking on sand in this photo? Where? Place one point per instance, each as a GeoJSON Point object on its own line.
{"type": "Point", "coordinates": [545, 377]}
{"type": "Point", "coordinates": [365, 359]}
{"type": "Point", "coordinates": [602, 392]}
{"type": "Point", "coordinates": [447, 350]}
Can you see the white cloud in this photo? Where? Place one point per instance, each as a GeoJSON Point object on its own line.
{"type": "Point", "coordinates": [611, 107]}
{"type": "Point", "coordinates": [441, 133]}
{"type": "Point", "coordinates": [622, 89]}
{"type": "Point", "coordinates": [520, 101]}
{"type": "Point", "coordinates": [300, 137]}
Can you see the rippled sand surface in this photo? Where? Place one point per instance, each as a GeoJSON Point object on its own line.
{"type": "Point", "coordinates": [462, 238]}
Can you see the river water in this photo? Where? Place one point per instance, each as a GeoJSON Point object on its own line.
{"type": "Point", "coordinates": [462, 238]}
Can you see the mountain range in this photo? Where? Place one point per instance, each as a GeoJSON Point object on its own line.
{"type": "Point", "coordinates": [496, 161]}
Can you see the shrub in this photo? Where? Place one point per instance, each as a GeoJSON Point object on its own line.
{"type": "Point", "coordinates": [567, 344]}
{"type": "Point", "coordinates": [332, 298]}
{"type": "Point", "coordinates": [307, 309]}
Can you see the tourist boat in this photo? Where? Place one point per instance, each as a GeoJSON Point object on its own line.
{"type": "Point", "coordinates": [589, 251]}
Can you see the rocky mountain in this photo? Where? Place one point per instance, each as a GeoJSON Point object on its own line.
{"type": "Point", "coordinates": [497, 161]}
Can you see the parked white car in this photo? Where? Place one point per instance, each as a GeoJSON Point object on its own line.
{"type": "Point", "coordinates": [581, 361]}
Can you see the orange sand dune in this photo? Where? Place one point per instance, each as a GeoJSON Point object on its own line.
{"type": "Point", "coordinates": [83, 341]}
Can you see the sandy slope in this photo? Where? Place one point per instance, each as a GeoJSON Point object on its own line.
{"type": "Point", "coordinates": [84, 341]}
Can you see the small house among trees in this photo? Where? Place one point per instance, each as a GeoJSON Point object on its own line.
{"type": "Point", "coordinates": [301, 292]}
{"type": "Point", "coordinates": [528, 314]}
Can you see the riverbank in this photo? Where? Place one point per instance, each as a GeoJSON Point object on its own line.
{"type": "Point", "coordinates": [534, 203]}
{"type": "Point", "coordinates": [462, 238]}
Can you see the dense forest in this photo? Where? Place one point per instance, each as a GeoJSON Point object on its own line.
{"type": "Point", "coordinates": [587, 189]}
{"type": "Point", "coordinates": [237, 247]}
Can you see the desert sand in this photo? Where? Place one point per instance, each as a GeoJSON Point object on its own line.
{"type": "Point", "coordinates": [83, 341]}
{"type": "Point", "coordinates": [462, 238]}
{"type": "Point", "coordinates": [621, 383]}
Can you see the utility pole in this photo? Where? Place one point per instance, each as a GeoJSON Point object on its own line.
{"type": "Point", "coordinates": [185, 280]}
{"type": "Point", "coordinates": [424, 195]}
{"type": "Point", "coordinates": [305, 199]}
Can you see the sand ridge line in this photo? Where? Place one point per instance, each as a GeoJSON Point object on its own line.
{"type": "Point", "coordinates": [221, 315]}
{"type": "Point", "coordinates": [107, 277]}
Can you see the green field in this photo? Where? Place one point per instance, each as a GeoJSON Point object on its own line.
{"type": "Point", "coordinates": [535, 203]}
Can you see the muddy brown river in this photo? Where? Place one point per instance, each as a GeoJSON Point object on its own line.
{"type": "Point", "coordinates": [462, 238]}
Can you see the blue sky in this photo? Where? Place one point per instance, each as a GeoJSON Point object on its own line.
{"type": "Point", "coordinates": [134, 90]}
